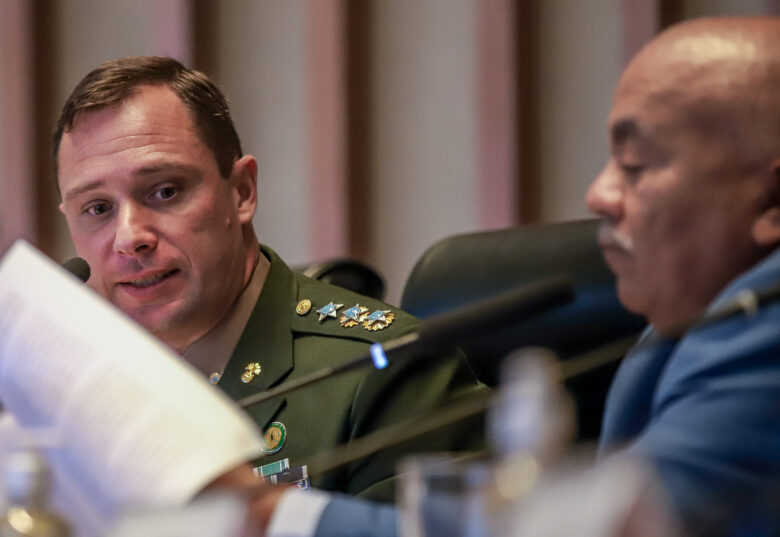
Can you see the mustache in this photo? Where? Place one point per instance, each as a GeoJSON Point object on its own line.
{"type": "Point", "coordinates": [609, 236]}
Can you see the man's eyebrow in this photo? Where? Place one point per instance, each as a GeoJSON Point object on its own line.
{"type": "Point", "coordinates": [163, 167]}
{"type": "Point", "coordinates": [144, 170]}
{"type": "Point", "coordinates": [624, 129]}
{"type": "Point", "coordinates": [82, 189]}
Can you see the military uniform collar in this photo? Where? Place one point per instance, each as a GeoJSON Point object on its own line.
{"type": "Point", "coordinates": [267, 340]}
{"type": "Point", "coordinates": [211, 353]}
{"type": "Point", "coordinates": [268, 337]}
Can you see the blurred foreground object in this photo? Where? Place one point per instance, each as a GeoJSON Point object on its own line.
{"type": "Point", "coordinates": [617, 499]}
{"type": "Point", "coordinates": [211, 515]}
{"type": "Point", "coordinates": [126, 436]}
{"type": "Point", "coordinates": [532, 488]}
{"type": "Point", "coordinates": [26, 486]}
{"type": "Point", "coordinates": [530, 426]}
{"type": "Point", "coordinates": [444, 496]}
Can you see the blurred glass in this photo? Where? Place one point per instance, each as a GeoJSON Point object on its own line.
{"type": "Point", "coordinates": [443, 495]}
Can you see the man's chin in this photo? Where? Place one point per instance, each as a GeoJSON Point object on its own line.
{"type": "Point", "coordinates": [618, 260]}
{"type": "Point", "coordinates": [631, 299]}
{"type": "Point", "coordinates": [158, 320]}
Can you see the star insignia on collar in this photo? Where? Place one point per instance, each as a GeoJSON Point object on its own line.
{"type": "Point", "coordinates": [378, 320]}
{"type": "Point", "coordinates": [328, 310]}
{"type": "Point", "coordinates": [353, 316]}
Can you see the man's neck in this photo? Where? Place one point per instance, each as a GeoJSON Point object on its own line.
{"type": "Point", "coordinates": [253, 259]}
{"type": "Point", "coordinates": [211, 352]}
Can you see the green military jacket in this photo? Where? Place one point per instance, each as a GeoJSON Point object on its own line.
{"type": "Point", "coordinates": [290, 342]}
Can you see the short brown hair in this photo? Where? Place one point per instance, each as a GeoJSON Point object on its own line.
{"type": "Point", "coordinates": [114, 81]}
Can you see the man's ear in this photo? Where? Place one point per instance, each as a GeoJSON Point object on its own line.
{"type": "Point", "coordinates": [766, 228]}
{"type": "Point", "coordinates": [244, 178]}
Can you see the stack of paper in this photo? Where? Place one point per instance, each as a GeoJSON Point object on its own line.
{"type": "Point", "coordinates": [137, 426]}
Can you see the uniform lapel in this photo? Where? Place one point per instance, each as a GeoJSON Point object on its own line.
{"type": "Point", "coordinates": [267, 339]}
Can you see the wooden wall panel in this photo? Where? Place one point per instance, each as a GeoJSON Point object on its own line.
{"type": "Point", "coordinates": [327, 125]}
{"type": "Point", "coordinates": [496, 90]}
{"type": "Point", "coordinates": [641, 21]}
{"type": "Point", "coordinates": [359, 117]}
{"type": "Point", "coordinates": [45, 67]}
{"type": "Point", "coordinates": [527, 109]}
{"type": "Point", "coordinates": [17, 186]}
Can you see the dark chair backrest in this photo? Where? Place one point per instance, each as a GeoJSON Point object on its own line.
{"type": "Point", "coordinates": [347, 273]}
{"type": "Point", "coordinates": [466, 268]}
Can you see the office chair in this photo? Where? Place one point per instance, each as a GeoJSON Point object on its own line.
{"type": "Point", "coordinates": [462, 269]}
{"type": "Point", "coordinates": [349, 274]}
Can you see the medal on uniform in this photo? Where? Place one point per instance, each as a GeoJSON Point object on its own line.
{"type": "Point", "coordinates": [328, 311]}
{"type": "Point", "coordinates": [280, 473]}
{"type": "Point", "coordinates": [250, 372]}
{"type": "Point", "coordinates": [353, 316]}
{"type": "Point", "coordinates": [274, 438]}
{"type": "Point", "coordinates": [378, 320]}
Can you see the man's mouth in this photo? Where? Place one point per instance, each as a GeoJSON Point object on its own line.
{"type": "Point", "coordinates": [150, 280]}
{"type": "Point", "coordinates": [610, 237]}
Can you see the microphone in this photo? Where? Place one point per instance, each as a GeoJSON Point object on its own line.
{"type": "Point", "coordinates": [78, 267]}
{"type": "Point", "coordinates": [456, 410]}
{"type": "Point", "coordinates": [746, 302]}
{"type": "Point", "coordinates": [450, 329]}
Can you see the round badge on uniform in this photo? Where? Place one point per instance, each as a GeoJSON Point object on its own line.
{"type": "Point", "coordinates": [274, 438]}
{"type": "Point", "coordinates": [303, 307]}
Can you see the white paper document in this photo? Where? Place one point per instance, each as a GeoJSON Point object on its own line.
{"type": "Point", "coordinates": [136, 425]}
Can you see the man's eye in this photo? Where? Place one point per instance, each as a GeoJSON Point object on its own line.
{"type": "Point", "coordinates": [164, 193]}
{"type": "Point", "coordinates": [632, 169]}
{"type": "Point", "coordinates": [98, 209]}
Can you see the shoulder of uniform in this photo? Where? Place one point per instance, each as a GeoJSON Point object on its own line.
{"type": "Point", "coordinates": [329, 310]}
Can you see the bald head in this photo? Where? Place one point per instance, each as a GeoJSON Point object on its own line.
{"type": "Point", "coordinates": [722, 75]}
{"type": "Point", "coordinates": [709, 39]}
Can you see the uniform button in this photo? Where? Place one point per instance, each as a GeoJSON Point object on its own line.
{"type": "Point", "coordinates": [303, 307]}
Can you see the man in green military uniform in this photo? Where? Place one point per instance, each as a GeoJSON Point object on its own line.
{"type": "Point", "coordinates": [342, 408]}
{"type": "Point", "coordinates": [159, 200]}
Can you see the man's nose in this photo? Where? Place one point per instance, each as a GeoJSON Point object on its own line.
{"type": "Point", "coordinates": [134, 235]}
{"type": "Point", "coordinates": [605, 194]}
